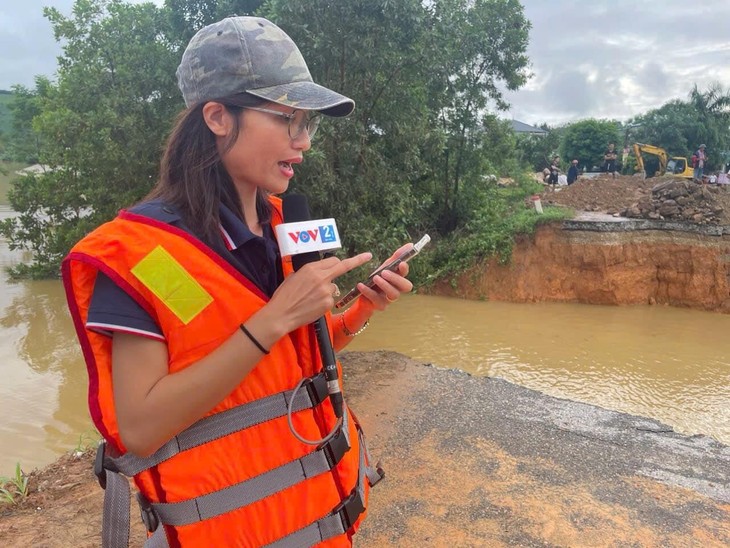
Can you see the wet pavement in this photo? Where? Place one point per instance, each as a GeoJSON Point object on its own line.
{"type": "Point", "coordinates": [474, 461]}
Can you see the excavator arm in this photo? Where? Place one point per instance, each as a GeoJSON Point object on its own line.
{"type": "Point", "coordinates": [659, 152]}
{"type": "Point", "coordinates": [676, 165]}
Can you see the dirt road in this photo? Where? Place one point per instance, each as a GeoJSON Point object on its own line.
{"type": "Point", "coordinates": [475, 462]}
{"type": "Point", "coordinates": [481, 462]}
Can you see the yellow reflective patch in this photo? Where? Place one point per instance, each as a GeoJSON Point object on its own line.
{"type": "Point", "coordinates": [172, 284]}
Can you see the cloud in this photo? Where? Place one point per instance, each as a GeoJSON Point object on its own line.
{"type": "Point", "coordinates": [617, 59]}
{"type": "Point", "coordinates": [27, 42]}
{"type": "Point", "coordinates": [28, 37]}
{"type": "Point", "coordinates": [601, 59]}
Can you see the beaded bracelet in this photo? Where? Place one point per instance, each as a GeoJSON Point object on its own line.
{"type": "Point", "coordinates": [349, 333]}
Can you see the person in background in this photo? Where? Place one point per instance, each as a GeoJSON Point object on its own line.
{"type": "Point", "coordinates": [554, 172]}
{"type": "Point", "coordinates": [700, 159]}
{"type": "Point", "coordinates": [609, 160]}
{"type": "Point", "coordinates": [625, 155]}
{"type": "Point", "coordinates": [573, 172]}
{"type": "Point", "coordinates": [205, 372]}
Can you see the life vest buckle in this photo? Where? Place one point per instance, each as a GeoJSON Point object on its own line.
{"type": "Point", "coordinates": [99, 470]}
{"type": "Point", "coordinates": [380, 472]}
{"type": "Point", "coordinates": [316, 388]}
{"type": "Point", "coordinates": [335, 448]}
{"type": "Point", "coordinates": [350, 509]}
{"type": "Point", "coordinates": [147, 513]}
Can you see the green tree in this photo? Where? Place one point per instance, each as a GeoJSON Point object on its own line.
{"type": "Point", "coordinates": [422, 77]}
{"type": "Point", "coordinates": [409, 159]}
{"type": "Point", "coordinates": [680, 126]}
{"type": "Point", "coordinates": [674, 127]}
{"type": "Point", "coordinates": [25, 142]}
{"type": "Point", "coordinates": [713, 112]}
{"type": "Point", "coordinates": [536, 151]}
{"type": "Point", "coordinates": [361, 170]}
{"type": "Point", "coordinates": [587, 140]}
{"type": "Point", "coordinates": [187, 17]}
{"type": "Point", "coordinates": [481, 44]}
{"type": "Point", "coordinates": [100, 126]}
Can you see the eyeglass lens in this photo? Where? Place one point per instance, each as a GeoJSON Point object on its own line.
{"type": "Point", "coordinates": [302, 121]}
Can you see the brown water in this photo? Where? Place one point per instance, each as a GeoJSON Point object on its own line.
{"type": "Point", "coordinates": [666, 363]}
{"type": "Point", "coordinates": [669, 364]}
{"type": "Point", "coordinates": [42, 382]}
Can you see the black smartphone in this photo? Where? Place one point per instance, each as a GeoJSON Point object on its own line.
{"type": "Point", "coordinates": [392, 265]}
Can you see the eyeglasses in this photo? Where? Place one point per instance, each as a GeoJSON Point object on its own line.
{"type": "Point", "coordinates": [299, 120]}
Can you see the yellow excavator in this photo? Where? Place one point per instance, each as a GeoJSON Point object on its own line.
{"type": "Point", "coordinates": [676, 165]}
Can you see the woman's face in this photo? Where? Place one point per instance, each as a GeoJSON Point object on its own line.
{"type": "Point", "coordinates": [263, 155]}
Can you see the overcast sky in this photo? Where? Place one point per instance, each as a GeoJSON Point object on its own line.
{"type": "Point", "coordinates": [590, 58]}
{"type": "Point", "coordinates": [619, 58]}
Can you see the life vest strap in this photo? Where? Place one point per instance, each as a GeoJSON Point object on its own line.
{"type": "Point", "coordinates": [339, 521]}
{"type": "Point", "coordinates": [115, 521]}
{"type": "Point", "coordinates": [224, 423]}
{"type": "Point", "coordinates": [321, 460]}
{"type": "Point", "coordinates": [110, 470]}
{"type": "Point", "coordinates": [344, 515]}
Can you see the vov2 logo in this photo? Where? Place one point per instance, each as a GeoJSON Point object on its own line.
{"type": "Point", "coordinates": [326, 233]}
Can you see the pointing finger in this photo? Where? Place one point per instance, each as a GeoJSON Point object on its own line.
{"type": "Point", "coordinates": [345, 265]}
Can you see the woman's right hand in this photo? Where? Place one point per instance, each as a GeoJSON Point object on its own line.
{"type": "Point", "coordinates": [310, 292]}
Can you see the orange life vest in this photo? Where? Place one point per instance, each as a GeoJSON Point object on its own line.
{"type": "Point", "coordinates": [199, 300]}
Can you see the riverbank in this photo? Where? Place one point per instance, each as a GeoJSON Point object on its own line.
{"type": "Point", "coordinates": [618, 262]}
{"type": "Point", "coordinates": [628, 244]}
{"type": "Point", "coordinates": [473, 461]}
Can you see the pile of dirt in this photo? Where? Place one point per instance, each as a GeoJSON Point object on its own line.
{"type": "Point", "coordinates": [624, 194]}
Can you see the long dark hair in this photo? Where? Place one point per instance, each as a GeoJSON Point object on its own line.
{"type": "Point", "coordinates": [192, 176]}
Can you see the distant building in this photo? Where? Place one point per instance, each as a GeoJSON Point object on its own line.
{"type": "Point", "coordinates": [521, 127]}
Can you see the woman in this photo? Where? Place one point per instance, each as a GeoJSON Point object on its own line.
{"type": "Point", "coordinates": [204, 371]}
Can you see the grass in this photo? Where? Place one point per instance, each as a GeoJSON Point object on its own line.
{"type": "Point", "coordinates": [87, 440]}
{"type": "Point", "coordinates": [498, 217]}
{"type": "Point", "coordinates": [15, 489]}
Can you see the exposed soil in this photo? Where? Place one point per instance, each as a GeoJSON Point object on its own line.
{"type": "Point", "coordinates": [607, 195]}
{"type": "Point", "coordinates": [658, 241]}
{"type": "Point", "coordinates": [62, 507]}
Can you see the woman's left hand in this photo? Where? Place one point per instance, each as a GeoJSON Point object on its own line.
{"type": "Point", "coordinates": [389, 285]}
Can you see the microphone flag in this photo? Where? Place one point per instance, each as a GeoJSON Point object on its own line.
{"type": "Point", "coordinates": [307, 236]}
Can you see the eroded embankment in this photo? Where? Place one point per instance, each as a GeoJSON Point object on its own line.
{"type": "Point", "coordinates": [608, 263]}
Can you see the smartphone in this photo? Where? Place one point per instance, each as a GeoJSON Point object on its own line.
{"type": "Point", "coordinates": [392, 265]}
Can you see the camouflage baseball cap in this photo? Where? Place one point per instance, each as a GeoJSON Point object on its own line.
{"type": "Point", "coordinates": [252, 55]}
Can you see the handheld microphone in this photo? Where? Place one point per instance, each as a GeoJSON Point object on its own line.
{"type": "Point", "coordinates": [303, 239]}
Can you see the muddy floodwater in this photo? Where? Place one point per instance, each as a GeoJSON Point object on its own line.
{"type": "Point", "coordinates": [666, 363]}
{"type": "Point", "coordinates": [669, 364]}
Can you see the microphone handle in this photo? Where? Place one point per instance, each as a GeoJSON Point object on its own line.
{"type": "Point", "coordinates": [298, 261]}
{"type": "Point", "coordinates": [295, 209]}
{"type": "Point", "coordinates": [329, 363]}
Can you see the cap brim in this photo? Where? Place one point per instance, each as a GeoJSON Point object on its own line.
{"type": "Point", "coordinates": [307, 96]}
